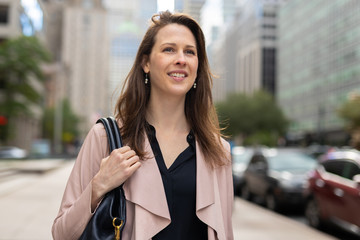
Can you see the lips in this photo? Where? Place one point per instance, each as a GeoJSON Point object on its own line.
{"type": "Point", "coordinates": [178, 75]}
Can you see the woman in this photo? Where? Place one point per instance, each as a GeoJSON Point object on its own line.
{"type": "Point", "coordinates": [175, 165]}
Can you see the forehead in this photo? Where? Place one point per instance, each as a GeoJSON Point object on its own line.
{"type": "Point", "coordinates": [175, 33]}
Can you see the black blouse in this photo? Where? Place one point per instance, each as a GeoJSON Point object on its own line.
{"type": "Point", "coordinates": [180, 188]}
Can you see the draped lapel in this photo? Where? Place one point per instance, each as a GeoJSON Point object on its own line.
{"type": "Point", "coordinates": [145, 189]}
{"type": "Point", "coordinates": [208, 208]}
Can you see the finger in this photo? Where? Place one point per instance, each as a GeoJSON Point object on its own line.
{"type": "Point", "coordinates": [122, 153]}
{"type": "Point", "coordinates": [134, 167]}
{"type": "Point", "coordinates": [131, 161]}
{"type": "Point", "coordinates": [129, 154]}
{"type": "Point", "coordinates": [122, 149]}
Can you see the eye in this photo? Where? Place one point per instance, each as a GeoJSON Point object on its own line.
{"type": "Point", "coordinates": [168, 49]}
{"type": "Point", "coordinates": [190, 52]}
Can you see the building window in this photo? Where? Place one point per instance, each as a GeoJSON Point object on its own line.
{"type": "Point", "coordinates": [4, 14]}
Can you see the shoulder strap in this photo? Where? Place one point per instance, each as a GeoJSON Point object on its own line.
{"type": "Point", "coordinates": [112, 131]}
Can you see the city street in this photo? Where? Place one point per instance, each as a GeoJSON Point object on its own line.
{"type": "Point", "coordinates": [30, 195]}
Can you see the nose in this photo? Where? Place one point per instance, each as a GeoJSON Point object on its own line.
{"type": "Point", "coordinates": [180, 59]}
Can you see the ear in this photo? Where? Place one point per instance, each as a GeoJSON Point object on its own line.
{"type": "Point", "coordinates": [145, 64]}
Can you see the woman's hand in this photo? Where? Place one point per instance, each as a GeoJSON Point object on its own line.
{"type": "Point", "coordinates": [114, 170]}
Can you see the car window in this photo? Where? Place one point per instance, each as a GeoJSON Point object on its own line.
{"type": "Point", "coordinates": [350, 170]}
{"type": "Point", "coordinates": [334, 167]}
{"type": "Point", "coordinates": [342, 167]}
{"type": "Point", "coordinates": [242, 157]}
{"type": "Point", "coordinates": [291, 161]}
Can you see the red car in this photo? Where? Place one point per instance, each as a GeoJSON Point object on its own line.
{"type": "Point", "coordinates": [334, 191]}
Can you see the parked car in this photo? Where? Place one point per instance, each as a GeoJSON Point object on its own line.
{"type": "Point", "coordinates": [10, 152]}
{"type": "Point", "coordinates": [240, 158]}
{"type": "Point", "coordinates": [334, 191]}
{"type": "Point", "coordinates": [277, 177]}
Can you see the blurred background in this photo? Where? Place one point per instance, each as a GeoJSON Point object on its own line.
{"type": "Point", "coordinates": [287, 72]}
{"type": "Point", "coordinates": [286, 75]}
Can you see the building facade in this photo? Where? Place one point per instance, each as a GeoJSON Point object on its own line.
{"type": "Point", "coordinates": [127, 23]}
{"type": "Point", "coordinates": [13, 23]}
{"type": "Point", "coordinates": [249, 44]}
{"type": "Point", "coordinates": [191, 7]}
{"type": "Point", "coordinates": [318, 66]}
{"type": "Point", "coordinates": [85, 54]}
{"type": "Point", "coordinates": [10, 19]}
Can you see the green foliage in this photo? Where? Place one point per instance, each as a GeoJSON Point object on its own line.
{"type": "Point", "coordinates": [20, 59]}
{"type": "Point", "coordinates": [350, 112]}
{"type": "Point", "coordinates": [256, 117]}
{"type": "Point", "coordinates": [70, 123]}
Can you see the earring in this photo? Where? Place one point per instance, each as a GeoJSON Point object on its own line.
{"type": "Point", "coordinates": [194, 84]}
{"type": "Point", "coordinates": [146, 78]}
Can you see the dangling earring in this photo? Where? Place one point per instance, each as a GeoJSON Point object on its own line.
{"type": "Point", "coordinates": [194, 84]}
{"type": "Point", "coordinates": [146, 78]}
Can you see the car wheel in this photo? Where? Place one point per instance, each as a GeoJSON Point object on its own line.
{"type": "Point", "coordinates": [312, 213]}
{"type": "Point", "coordinates": [271, 202]}
{"type": "Point", "coordinates": [245, 192]}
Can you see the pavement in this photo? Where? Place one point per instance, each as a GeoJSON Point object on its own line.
{"type": "Point", "coordinates": [31, 192]}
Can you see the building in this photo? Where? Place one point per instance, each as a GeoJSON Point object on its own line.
{"type": "Point", "coordinates": [10, 19]}
{"type": "Point", "coordinates": [318, 66]}
{"type": "Point", "coordinates": [13, 23]}
{"type": "Point", "coordinates": [127, 23]}
{"type": "Point", "coordinates": [191, 7]}
{"type": "Point", "coordinates": [249, 44]}
{"type": "Point", "coordinates": [85, 55]}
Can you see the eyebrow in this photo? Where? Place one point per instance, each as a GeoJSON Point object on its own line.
{"type": "Point", "coordinates": [174, 44]}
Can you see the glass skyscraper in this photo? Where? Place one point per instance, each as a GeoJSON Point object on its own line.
{"type": "Point", "coordinates": [318, 65]}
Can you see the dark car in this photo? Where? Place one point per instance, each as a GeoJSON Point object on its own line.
{"type": "Point", "coordinates": [334, 191]}
{"type": "Point", "coordinates": [277, 177]}
{"type": "Point", "coordinates": [240, 158]}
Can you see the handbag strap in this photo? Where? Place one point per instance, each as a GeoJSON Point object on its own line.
{"type": "Point", "coordinates": [112, 131]}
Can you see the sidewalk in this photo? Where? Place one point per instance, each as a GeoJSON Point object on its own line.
{"type": "Point", "coordinates": [252, 222]}
{"type": "Point", "coordinates": [28, 213]}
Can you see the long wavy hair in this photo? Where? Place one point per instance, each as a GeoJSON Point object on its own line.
{"type": "Point", "coordinates": [131, 106]}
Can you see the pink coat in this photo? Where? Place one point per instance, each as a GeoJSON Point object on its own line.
{"type": "Point", "coordinates": [147, 211]}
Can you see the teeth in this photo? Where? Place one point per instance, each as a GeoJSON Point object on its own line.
{"type": "Point", "coordinates": [177, 75]}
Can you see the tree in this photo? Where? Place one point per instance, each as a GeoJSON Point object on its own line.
{"type": "Point", "coordinates": [350, 112]}
{"type": "Point", "coordinates": [20, 61]}
{"type": "Point", "coordinates": [70, 123]}
{"type": "Point", "coordinates": [254, 118]}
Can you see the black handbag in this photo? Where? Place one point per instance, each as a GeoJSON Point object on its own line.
{"type": "Point", "coordinates": [110, 217]}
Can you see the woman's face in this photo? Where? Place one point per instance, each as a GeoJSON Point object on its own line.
{"type": "Point", "coordinates": [173, 62]}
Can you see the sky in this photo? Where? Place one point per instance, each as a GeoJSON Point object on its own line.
{"type": "Point", "coordinates": [164, 5]}
{"type": "Point", "coordinates": [211, 16]}
{"type": "Point", "coordinates": [33, 10]}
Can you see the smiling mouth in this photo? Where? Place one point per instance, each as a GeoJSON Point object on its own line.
{"type": "Point", "coordinates": [178, 75]}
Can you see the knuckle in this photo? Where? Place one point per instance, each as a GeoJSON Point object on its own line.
{"type": "Point", "coordinates": [125, 148]}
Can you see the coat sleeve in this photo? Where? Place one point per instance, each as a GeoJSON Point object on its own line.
{"type": "Point", "coordinates": [228, 194]}
{"type": "Point", "coordinates": [75, 208]}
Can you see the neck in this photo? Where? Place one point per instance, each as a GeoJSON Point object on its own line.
{"type": "Point", "coordinates": [167, 114]}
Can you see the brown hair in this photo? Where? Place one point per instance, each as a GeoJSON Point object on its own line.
{"type": "Point", "coordinates": [199, 109]}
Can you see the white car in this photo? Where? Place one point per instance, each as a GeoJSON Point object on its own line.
{"type": "Point", "coordinates": [10, 152]}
